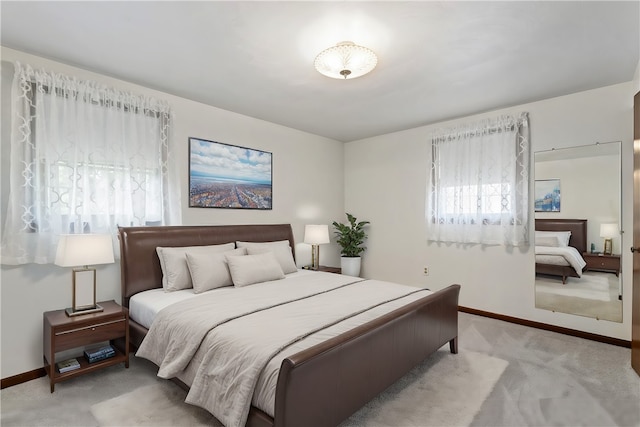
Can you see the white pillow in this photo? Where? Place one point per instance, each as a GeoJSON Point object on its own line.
{"type": "Point", "coordinates": [210, 270]}
{"type": "Point", "coordinates": [250, 269]}
{"type": "Point", "coordinates": [173, 261]}
{"type": "Point", "coordinates": [281, 249]}
{"type": "Point", "coordinates": [562, 236]}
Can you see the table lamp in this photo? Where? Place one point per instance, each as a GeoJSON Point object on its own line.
{"type": "Point", "coordinates": [316, 235]}
{"type": "Point", "coordinates": [81, 251]}
{"type": "Point", "coordinates": [608, 232]}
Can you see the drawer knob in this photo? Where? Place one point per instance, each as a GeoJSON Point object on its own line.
{"type": "Point", "coordinates": [93, 329]}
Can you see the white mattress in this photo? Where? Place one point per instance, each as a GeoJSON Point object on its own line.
{"type": "Point", "coordinates": [144, 306]}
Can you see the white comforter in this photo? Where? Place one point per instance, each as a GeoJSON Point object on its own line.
{"type": "Point", "coordinates": [569, 253]}
{"type": "Point", "coordinates": [247, 328]}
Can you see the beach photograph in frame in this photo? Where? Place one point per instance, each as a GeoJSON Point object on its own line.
{"type": "Point", "coordinates": [547, 195]}
{"type": "Point", "coordinates": [228, 176]}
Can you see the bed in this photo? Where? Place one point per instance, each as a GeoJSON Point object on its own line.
{"type": "Point", "coordinates": [327, 382]}
{"type": "Point", "coordinates": [578, 240]}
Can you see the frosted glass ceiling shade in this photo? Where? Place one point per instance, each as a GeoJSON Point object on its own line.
{"type": "Point", "coordinates": [346, 60]}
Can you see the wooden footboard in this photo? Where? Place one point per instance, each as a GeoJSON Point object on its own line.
{"type": "Point", "coordinates": [325, 384]}
{"type": "Point", "coordinates": [557, 270]}
{"type": "Point", "coordinates": [578, 239]}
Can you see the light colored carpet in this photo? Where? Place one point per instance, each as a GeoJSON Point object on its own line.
{"type": "Point", "coordinates": [160, 404]}
{"type": "Point", "coordinates": [582, 296]}
{"type": "Point", "coordinates": [587, 286]}
{"type": "Point", "coordinates": [445, 390]}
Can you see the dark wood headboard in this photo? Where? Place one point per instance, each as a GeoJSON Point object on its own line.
{"type": "Point", "coordinates": [577, 227]}
{"type": "Point", "coordinates": [139, 263]}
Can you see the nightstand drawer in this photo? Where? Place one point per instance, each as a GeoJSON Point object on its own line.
{"type": "Point", "coordinates": [82, 335]}
{"type": "Point", "coordinates": [605, 263]}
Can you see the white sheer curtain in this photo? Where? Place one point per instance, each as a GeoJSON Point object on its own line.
{"type": "Point", "coordinates": [84, 158]}
{"type": "Point", "coordinates": [478, 185]}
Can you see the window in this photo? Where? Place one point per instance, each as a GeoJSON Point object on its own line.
{"type": "Point", "coordinates": [84, 158]}
{"type": "Point", "coordinates": [478, 183]}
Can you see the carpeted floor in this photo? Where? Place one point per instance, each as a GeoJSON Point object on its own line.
{"type": "Point", "coordinates": [549, 379]}
{"type": "Point", "coordinates": [435, 393]}
{"type": "Point", "coordinates": [595, 295]}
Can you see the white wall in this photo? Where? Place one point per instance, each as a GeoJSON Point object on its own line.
{"type": "Point", "coordinates": [385, 183]}
{"type": "Point", "coordinates": [307, 188]}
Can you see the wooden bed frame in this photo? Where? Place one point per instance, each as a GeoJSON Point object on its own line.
{"type": "Point", "coordinates": [324, 384]}
{"type": "Point", "coordinates": [578, 239]}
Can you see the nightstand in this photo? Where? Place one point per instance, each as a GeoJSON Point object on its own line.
{"type": "Point", "coordinates": [61, 332]}
{"type": "Point", "coordinates": [600, 262]}
{"type": "Point", "coordinates": [336, 270]}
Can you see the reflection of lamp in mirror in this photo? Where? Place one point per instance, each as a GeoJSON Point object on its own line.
{"type": "Point", "coordinates": [315, 235]}
{"type": "Point", "coordinates": [76, 250]}
{"type": "Point", "coordinates": [608, 232]}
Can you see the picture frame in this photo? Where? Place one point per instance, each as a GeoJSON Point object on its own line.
{"type": "Point", "coordinates": [547, 195]}
{"type": "Point", "coordinates": [229, 176]}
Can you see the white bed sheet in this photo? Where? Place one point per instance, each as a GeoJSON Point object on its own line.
{"type": "Point", "coordinates": [552, 260]}
{"type": "Point", "coordinates": [144, 306]}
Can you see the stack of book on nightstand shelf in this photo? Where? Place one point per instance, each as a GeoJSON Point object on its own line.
{"type": "Point", "coordinates": [68, 365]}
{"type": "Point", "coordinates": [98, 354]}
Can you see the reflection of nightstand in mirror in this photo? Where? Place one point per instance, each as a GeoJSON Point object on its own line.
{"type": "Point", "coordinates": [600, 262]}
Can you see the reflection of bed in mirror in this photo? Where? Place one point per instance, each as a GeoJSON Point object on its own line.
{"type": "Point", "coordinates": [578, 239]}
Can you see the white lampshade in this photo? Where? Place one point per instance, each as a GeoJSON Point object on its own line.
{"type": "Point", "coordinates": [316, 234]}
{"type": "Point", "coordinates": [84, 249]}
{"type": "Point", "coordinates": [346, 60]}
{"type": "Point", "coordinates": [609, 231]}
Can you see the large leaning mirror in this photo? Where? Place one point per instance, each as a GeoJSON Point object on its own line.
{"type": "Point", "coordinates": [577, 193]}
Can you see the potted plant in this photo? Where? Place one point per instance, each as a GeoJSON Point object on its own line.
{"type": "Point", "coordinates": [350, 238]}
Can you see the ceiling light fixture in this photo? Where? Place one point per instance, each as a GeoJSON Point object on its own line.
{"type": "Point", "coordinates": [346, 60]}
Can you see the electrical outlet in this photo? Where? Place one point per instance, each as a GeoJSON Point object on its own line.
{"type": "Point", "coordinates": [426, 271]}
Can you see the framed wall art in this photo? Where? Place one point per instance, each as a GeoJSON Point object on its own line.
{"type": "Point", "coordinates": [547, 195]}
{"type": "Point", "coordinates": [228, 176]}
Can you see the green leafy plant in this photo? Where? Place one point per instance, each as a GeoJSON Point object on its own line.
{"type": "Point", "coordinates": [351, 236]}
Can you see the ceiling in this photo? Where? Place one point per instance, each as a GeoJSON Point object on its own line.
{"type": "Point", "coordinates": [436, 60]}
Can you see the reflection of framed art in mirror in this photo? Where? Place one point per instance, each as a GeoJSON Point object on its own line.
{"type": "Point", "coordinates": [547, 195]}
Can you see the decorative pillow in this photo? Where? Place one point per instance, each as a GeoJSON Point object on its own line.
{"type": "Point", "coordinates": [250, 269]}
{"type": "Point", "coordinates": [547, 241]}
{"type": "Point", "coordinates": [210, 270]}
{"type": "Point", "coordinates": [173, 261]}
{"type": "Point", "coordinates": [281, 249]}
{"type": "Point", "coordinates": [562, 236]}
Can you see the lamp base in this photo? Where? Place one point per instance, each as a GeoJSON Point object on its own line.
{"type": "Point", "coordinates": [71, 312]}
{"type": "Point", "coordinates": [315, 257]}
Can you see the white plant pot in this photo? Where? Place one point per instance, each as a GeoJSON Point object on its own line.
{"type": "Point", "coordinates": [350, 265]}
